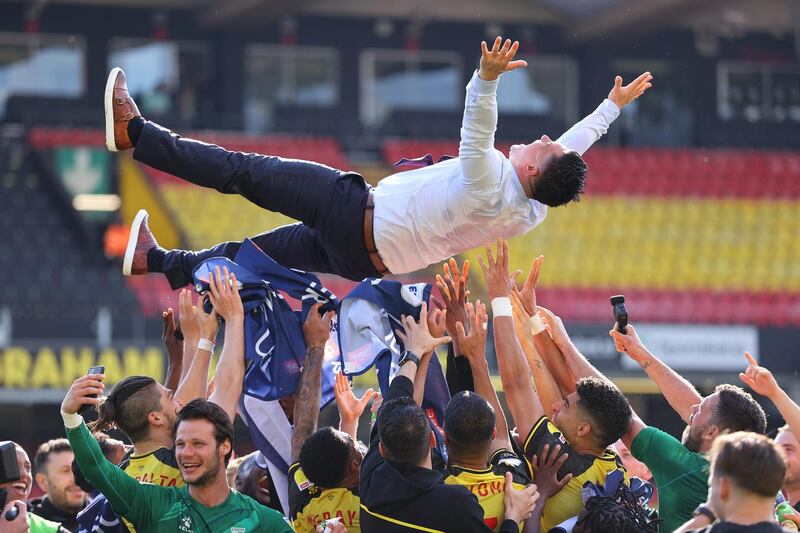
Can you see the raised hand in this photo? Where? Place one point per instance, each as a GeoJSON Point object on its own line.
{"type": "Point", "coordinates": [623, 96]}
{"type": "Point", "coordinates": [545, 470]}
{"type": "Point", "coordinates": [528, 293]}
{"type": "Point", "coordinates": [555, 327]}
{"type": "Point", "coordinates": [473, 345]}
{"type": "Point", "coordinates": [499, 59]}
{"type": "Point", "coordinates": [208, 323]}
{"type": "Point", "coordinates": [437, 320]}
{"type": "Point", "coordinates": [224, 294]}
{"type": "Point", "coordinates": [453, 288]}
{"type": "Point", "coordinates": [759, 378]}
{"type": "Point", "coordinates": [417, 338]}
{"type": "Point", "coordinates": [81, 392]}
{"type": "Point", "coordinates": [317, 328]}
{"type": "Point", "coordinates": [187, 319]}
{"type": "Point", "coordinates": [630, 343]}
{"type": "Point", "coordinates": [498, 283]}
{"type": "Point", "coordinates": [350, 406]}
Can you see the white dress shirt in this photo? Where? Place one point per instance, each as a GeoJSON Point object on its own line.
{"type": "Point", "coordinates": [429, 214]}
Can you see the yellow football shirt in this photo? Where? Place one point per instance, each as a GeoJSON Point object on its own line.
{"type": "Point", "coordinates": [568, 501]}
{"type": "Point", "coordinates": [158, 467]}
{"type": "Point", "coordinates": [488, 484]}
{"type": "Point", "coordinates": [310, 506]}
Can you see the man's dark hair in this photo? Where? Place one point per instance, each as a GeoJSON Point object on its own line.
{"type": "Point", "coordinates": [469, 422]}
{"type": "Point", "coordinates": [404, 430]}
{"type": "Point", "coordinates": [605, 513]}
{"type": "Point", "coordinates": [200, 409]}
{"type": "Point", "coordinates": [108, 452]}
{"type": "Point", "coordinates": [562, 181]}
{"type": "Point", "coordinates": [46, 449]}
{"type": "Point", "coordinates": [324, 457]}
{"type": "Point", "coordinates": [753, 462]}
{"type": "Point", "coordinates": [607, 408]}
{"type": "Point", "coordinates": [127, 407]}
{"type": "Point", "coordinates": [738, 411]}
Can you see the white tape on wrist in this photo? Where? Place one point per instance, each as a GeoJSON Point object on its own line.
{"type": "Point", "coordinates": [501, 306]}
{"type": "Point", "coordinates": [205, 344]}
{"type": "Point", "coordinates": [537, 324]}
{"type": "Point", "coordinates": [71, 420]}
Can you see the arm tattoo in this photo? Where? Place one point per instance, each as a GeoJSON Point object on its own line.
{"type": "Point", "coordinates": [647, 364]}
{"type": "Point", "coordinates": [306, 406]}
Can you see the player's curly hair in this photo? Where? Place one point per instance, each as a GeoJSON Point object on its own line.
{"type": "Point", "coordinates": [562, 181]}
{"type": "Point", "coordinates": [607, 408]}
{"type": "Point", "coordinates": [620, 514]}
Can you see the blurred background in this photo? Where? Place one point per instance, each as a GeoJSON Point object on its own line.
{"type": "Point", "coordinates": [692, 209]}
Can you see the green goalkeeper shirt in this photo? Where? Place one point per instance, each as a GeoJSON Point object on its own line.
{"type": "Point", "coordinates": [155, 508]}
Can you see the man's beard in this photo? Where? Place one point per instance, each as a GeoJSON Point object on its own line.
{"type": "Point", "coordinates": [691, 441]}
{"type": "Point", "coordinates": [207, 477]}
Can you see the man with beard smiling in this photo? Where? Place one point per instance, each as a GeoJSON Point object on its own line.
{"type": "Point", "coordinates": [18, 491]}
{"type": "Point", "coordinates": [203, 445]}
{"type": "Point", "coordinates": [63, 499]}
{"type": "Point", "coordinates": [681, 469]}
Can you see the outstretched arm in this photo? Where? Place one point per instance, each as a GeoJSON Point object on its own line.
{"type": "Point", "coordinates": [480, 163]}
{"type": "Point", "coordinates": [546, 385]}
{"type": "Point", "coordinates": [474, 348]}
{"type": "Point", "coordinates": [229, 374]}
{"type": "Point", "coordinates": [523, 402]}
{"type": "Point", "coordinates": [585, 133]}
{"type": "Point", "coordinates": [679, 393]}
{"type": "Point", "coordinates": [436, 320]}
{"type": "Point", "coordinates": [763, 382]}
{"type": "Point", "coordinates": [174, 347]}
{"type": "Point", "coordinates": [316, 330]}
{"type": "Point", "coordinates": [194, 383]}
{"type": "Point", "coordinates": [350, 406]}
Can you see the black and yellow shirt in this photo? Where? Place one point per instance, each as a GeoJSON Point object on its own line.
{"type": "Point", "coordinates": [158, 467]}
{"type": "Point", "coordinates": [488, 484]}
{"type": "Point", "coordinates": [568, 501]}
{"type": "Point", "coordinates": [309, 506]}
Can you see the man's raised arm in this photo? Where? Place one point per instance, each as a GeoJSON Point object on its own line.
{"type": "Point", "coordinates": [679, 393]}
{"type": "Point", "coordinates": [523, 402]}
{"type": "Point", "coordinates": [317, 330]}
{"type": "Point", "coordinates": [229, 375]}
{"type": "Point", "coordinates": [588, 131]}
{"type": "Point", "coordinates": [480, 163]}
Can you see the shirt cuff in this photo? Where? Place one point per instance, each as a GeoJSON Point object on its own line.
{"type": "Point", "coordinates": [608, 109]}
{"type": "Point", "coordinates": [480, 87]}
{"type": "Point", "coordinates": [71, 420]}
{"type": "Point", "coordinates": [508, 525]}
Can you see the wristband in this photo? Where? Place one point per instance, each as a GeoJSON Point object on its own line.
{"type": "Point", "coordinates": [537, 324]}
{"type": "Point", "coordinates": [501, 306]}
{"type": "Point", "coordinates": [205, 344]}
{"type": "Point", "coordinates": [71, 420]}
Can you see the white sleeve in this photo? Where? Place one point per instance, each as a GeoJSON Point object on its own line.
{"type": "Point", "coordinates": [588, 131]}
{"type": "Point", "coordinates": [481, 164]}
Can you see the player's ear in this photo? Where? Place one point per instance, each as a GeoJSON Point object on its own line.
{"type": "Point", "coordinates": [382, 449]}
{"type": "Point", "coordinates": [531, 169]}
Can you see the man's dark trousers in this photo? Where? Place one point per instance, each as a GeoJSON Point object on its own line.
{"type": "Point", "coordinates": [329, 204]}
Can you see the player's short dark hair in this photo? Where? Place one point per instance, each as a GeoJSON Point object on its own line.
{"type": "Point", "coordinates": [46, 449]}
{"type": "Point", "coordinates": [606, 406]}
{"type": "Point", "coordinates": [752, 461]}
{"type": "Point", "coordinates": [324, 457]}
{"type": "Point", "coordinates": [108, 452]}
{"type": "Point", "coordinates": [127, 406]}
{"type": "Point", "coordinates": [562, 181]}
{"type": "Point", "coordinates": [404, 430]}
{"type": "Point", "coordinates": [738, 411]}
{"type": "Point", "coordinates": [200, 409]}
{"type": "Point", "coordinates": [469, 422]}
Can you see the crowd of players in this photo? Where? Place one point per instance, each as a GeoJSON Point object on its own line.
{"type": "Point", "coordinates": [575, 456]}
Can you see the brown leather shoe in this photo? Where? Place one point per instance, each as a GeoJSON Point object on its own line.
{"type": "Point", "coordinates": [140, 242]}
{"type": "Point", "coordinates": [120, 109]}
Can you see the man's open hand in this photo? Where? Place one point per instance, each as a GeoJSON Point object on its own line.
{"type": "Point", "coordinates": [499, 59]}
{"type": "Point", "coordinates": [623, 96]}
{"type": "Point", "coordinates": [498, 283]}
{"type": "Point", "coordinates": [416, 336]}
